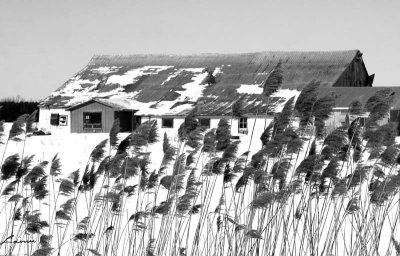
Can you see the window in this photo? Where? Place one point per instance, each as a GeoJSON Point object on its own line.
{"type": "Point", "coordinates": [54, 119]}
{"type": "Point", "coordinates": [92, 120]}
{"type": "Point", "coordinates": [63, 120]}
{"type": "Point", "coordinates": [138, 120]}
{"type": "Point", "coordinates": [167, 123]}
{"type": "Point", "coordinates": [243, 125]}
{"type": "Point", "coordinates": [362, 121]}
{"type": "Point", "coordinates": [205, 122]}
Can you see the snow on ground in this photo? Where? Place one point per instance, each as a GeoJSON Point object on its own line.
{"type": "Point", "coordinates": [74, 151]}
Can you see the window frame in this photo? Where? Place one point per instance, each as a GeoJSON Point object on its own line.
{"type": "Point", "coordinates": [163, 119]}
{"type": "Point", "coordinates": [243, 125]}
{"type": "Point", "coordinates": [60, 122]}
{"type": "Point", "coordinates": [92, 125]}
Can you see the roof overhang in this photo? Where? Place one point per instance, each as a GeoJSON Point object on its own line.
{"type": "Point", "coordinates": [115, 104]}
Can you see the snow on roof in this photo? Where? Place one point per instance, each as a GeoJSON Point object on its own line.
{"type": "Point", "coordinates": [250, 88]}
{"type": "Point", "coordinates": [285, 94]}
{"type": "Point", "coordinates": [172, 84]}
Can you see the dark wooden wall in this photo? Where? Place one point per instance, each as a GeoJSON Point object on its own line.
{"type": "Point", "coordinates": [355, 75]}
{"type": "Point", "coordinates": [107, 117]}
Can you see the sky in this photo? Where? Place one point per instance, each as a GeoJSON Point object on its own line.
{"type": "Point", "coordinates": [43, 43]}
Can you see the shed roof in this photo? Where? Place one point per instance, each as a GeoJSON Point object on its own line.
{"type": "Point", "coordinates": [115, 104]}
{"type": "Point", "coordinates": [345, 95]}
{"type": "Point", "coordinates": [171, 84]}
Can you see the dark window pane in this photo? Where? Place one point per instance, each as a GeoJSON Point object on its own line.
{"type": "Point", "coordinates": [138, 119]}
{"type": "Point", "coordinates": [92, 120]}
{"type": "Point", "coordinates": [362, 121]}
{"type": "Point", "coordinates": [205, 122]}
{"type": "Point", "coordinates": [167, 122]}
{"type": "Point", "coordinates": [54, 119]}
{"type": "Point", "coordinates": [243, 123]}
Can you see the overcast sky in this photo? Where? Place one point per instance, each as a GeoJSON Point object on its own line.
{"type": "Point", "coordinates": [44, 42]}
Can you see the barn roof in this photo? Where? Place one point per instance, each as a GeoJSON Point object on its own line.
{"type": "Point", "coordinates": [345, 95]}
{"type": "Point", "coordinates": [172, 84]}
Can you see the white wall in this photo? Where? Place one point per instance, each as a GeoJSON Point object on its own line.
{"type": "Point", "coordinates": [258, 123]}
{"type": "Point", "coordinates": [44, 120]}
{"type": "Point", "coordinates": [172, 133]}
{"type": "Point", "coordinates": [253, 136]}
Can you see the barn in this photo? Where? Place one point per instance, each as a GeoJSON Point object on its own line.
{"type": "Point", "coordinates": [136, 88]}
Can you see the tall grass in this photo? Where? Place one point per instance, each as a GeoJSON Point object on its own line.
{"type": "Point", "coordinates": [303, 193]}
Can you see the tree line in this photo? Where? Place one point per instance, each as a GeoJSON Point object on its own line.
{"type": "Point", "coordinates": [11, 108]}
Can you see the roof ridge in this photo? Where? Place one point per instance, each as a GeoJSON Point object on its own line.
{"type": "Point", "coordinates": [216, 53]}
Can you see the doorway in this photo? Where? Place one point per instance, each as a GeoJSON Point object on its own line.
{"type": "Point", "coordinates": [128, 122]}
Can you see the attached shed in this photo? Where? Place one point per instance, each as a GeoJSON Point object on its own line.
{"type": "Point", "coordinates": [98, 115]}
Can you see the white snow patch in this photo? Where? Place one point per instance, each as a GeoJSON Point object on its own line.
{"type": "Point", "coordinates": [250, 89]}
{"type": "Point", "coordinates": [175, 74]}
{"type": "Point", "coordinates": [75, 84]}
{"type": "Point", "coordinates": [73, 88]}
{"type": "Point", "coordinates": [217, 71]}
{"type": "Point", "coordinates": [193, 91]}
{"type": "Point", "coordinates": [193, 70]}
{"type": "Point", "coordinates": [105, 70]}
{"type": "Point", "coordinates": [286, 94]}
{"type": "Point", "coordinates": [132, 75]}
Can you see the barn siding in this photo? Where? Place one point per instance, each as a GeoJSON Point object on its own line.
{"type": "Point", "coordinates": [338, 117]}
{"type": "Point", "coordinates": [355, 75]}
{"type": "Point", "coordinates": [107, 117]}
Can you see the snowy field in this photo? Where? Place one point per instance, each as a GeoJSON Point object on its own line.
{"type": "Point", "coordinates": [226, 222]}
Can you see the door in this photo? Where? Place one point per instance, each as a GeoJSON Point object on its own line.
{"type": "Point", "coordinates": [125, 120]}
